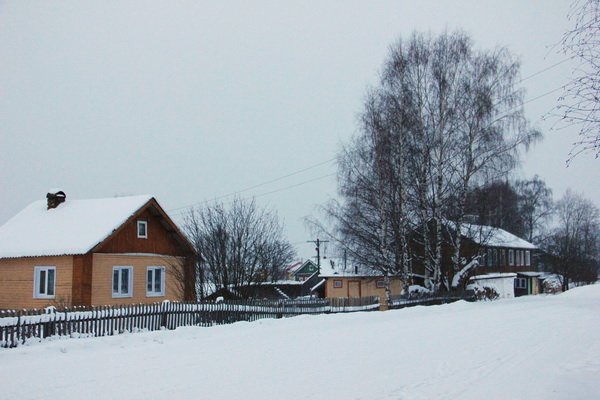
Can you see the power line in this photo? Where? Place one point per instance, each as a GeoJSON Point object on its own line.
{"type": "Point", "coordinates": [543, 95]}
{"type": "Point", "coordinates": [296, 185]}
{"type": "Point", "coordinates": [332, 159]}
{"type": "Point", "coordinates": [258, 185]}
{"type": "Point", "coordinates": [271, 192]}
{"type": "Point", "coordinates": [545, 69]}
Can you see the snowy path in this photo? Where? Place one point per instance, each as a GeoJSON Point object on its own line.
{"type": "Point", "coordinates": [539, 347]}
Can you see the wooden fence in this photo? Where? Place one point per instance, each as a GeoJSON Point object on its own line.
{"type": "Point", "coordinates": [17, 327]}
{"type": "Point", "coordinates": [403, 301]}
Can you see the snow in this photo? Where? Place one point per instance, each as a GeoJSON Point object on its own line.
{"type": "Point", "coordinates": [532, 347]}
{"type": "Point", "coordinates": [502, 283]}
{"type": "Point", "coordinates": [494, 237]}
{"type": "Point", "coordinates": [337, 270]}
{"type": "Point", "coordinates": [318, 285]}
{"type": "Point", "coordinates": [74, 227]}
{"type": "Point", "coordinates": [464, 272]}
{"type": "Point", "coordinates": [418, 289]}
{"type": "Point", "coordinates": [530, 274]}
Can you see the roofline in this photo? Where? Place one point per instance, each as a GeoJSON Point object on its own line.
{"type": "Point", "coordinates": [43, 255]}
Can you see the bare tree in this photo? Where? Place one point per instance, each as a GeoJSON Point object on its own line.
{"type": "Point", "coordinates": [574, 245]}
{"type": "Point", "coordinates": [522, 208]}
{"type": "Point", "coordinates": [443, 118]}
{"type": "Point", "coordinates": [535, 206]}
{"type": "Point", "coordinates": [579, 104]}
{"type": "Point", "coordinates": [240, 244]}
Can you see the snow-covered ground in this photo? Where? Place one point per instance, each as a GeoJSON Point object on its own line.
{"type": "Point", "coordinates": [538, 347]}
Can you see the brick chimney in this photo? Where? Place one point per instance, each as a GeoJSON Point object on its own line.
{"type": "Point", "coordinates": [55, 198]}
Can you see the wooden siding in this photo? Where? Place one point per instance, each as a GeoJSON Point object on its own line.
{"type": "Point", "coordinates": [102, 277]}
{"type": "Point", "coordinates": [82, 280]}
{"type": "Point", "coordinates": [469, 249]}
{"type": "Point", "coordinates": [367, 285]}
{"type": "Point", "coordinates": [17, 277]}
{"type": "Point", "coordinates": [159, 240]}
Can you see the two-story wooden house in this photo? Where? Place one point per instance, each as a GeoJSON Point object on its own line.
{"type": "Point", "coordinates": [120, 250]}
{"type": "Point", "coordinates": [498, 253]}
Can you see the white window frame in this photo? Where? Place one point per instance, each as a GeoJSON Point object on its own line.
{"type": "Point", "coordinates": [153, 292]}
{"type": "Point", "coordinates": [338, 283]}
{"type": "Point", "coordinates": [528, 258]}
{"type": "Point", "coordinates": [118, 294]}
{"type": "Point", "coordinates": [518, 282]}
{"type": "Point", "coordinates": [37, 272]}
{"type": "Point", "coordinates": [511, 257]}
{"type": "Point", "coordinates": [145, 225]}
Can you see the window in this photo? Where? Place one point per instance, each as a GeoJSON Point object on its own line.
{"type": "Point", "coordinates": [503, 257]}
{"type": "Point", "coordinates": [528, 258]}
{"type": "Point", "coordinates": [520, 283]}
{"type": "Point", "coordinates": [490, 259]}
{"type": "Point", "coordinates": [44, 282]}
{"type": "Point", "coordinates": [380, 284]}
{"type": "Point", "coordinates": [155, 281]}
{"type": "Point", "coordinates": [337, 283]}
{"type": "Point", "coordinates": [122, 282]}
{"type": "Point", "coordinates": [142, 229]}
{"type": "Point", "coordinates": [495, 257]}
{"type": "Point", "coordinates": [511, 257]}
{"type": "Point", "coordinates": [519, 258]}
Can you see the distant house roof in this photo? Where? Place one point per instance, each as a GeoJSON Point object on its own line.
{"type": "Point", "coordinates": [494, 237]}
{"type": "Point", "coordinates": [74, 227]}
{"type": "Point", "coordinates": [336, 269]}
{"type": "Point", "coordinates": [293, 267]}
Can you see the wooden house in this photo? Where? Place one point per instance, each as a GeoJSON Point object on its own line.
{"type": "Point", "coordinates": [499, 252]}
{"type": "Point", "coordinates": [301, 271]}
{"type": "Point", "coordinates": [339, 282]}
{"type": "Point", "coordinates": [120, 250]}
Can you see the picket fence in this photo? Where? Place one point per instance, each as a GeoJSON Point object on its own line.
{"type": "Point", "coordinates": [18, 327]}
{"type": "Point", "coordinates": [429, 299]}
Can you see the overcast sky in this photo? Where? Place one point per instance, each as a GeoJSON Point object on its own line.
{"type": "Point", "coordinates": [191, 101]}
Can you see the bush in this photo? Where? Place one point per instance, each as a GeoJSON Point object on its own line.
{"type": "Point", "coordinates": [484, 292]}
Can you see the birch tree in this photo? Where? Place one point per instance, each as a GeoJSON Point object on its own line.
{"type": "Point", "coordinates": [579, 105]}
{"type": "Point", "coordinates": [443, 118]}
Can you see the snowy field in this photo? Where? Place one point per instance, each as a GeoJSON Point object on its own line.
{"type": "Point", "coordinates": [538, 347]}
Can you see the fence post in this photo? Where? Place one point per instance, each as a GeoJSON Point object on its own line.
{"type": "Point", "coordinates": [164, 315]}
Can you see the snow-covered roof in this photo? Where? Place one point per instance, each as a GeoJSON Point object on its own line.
{"type": "Point", "coordinates": [494, 237]}
{"type": "Point", "coordinates": [293, 267]}
{"type": "Point", "coordinates": [502, 275]}
{"type": "Point", "coordinates": [337, 269]}
{"type": "Point", "coordinates": [74, 227]}
{"type": "Point", "coordinates": [530, 274]}
{"type": "Point", "coordinates": [318, 285]}
{"type": "Point", "coordinates": [282, 282]}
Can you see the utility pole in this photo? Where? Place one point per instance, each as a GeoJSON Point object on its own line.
{"type": "Point", "coordinates": [318, 249]}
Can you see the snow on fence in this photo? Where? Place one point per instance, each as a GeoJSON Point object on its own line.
{"type": "Point", "coordinates": [426, 299]}
{"type": "Point", "coordinates": [16, 327]}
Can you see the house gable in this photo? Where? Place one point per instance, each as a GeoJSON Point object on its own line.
{"type": "Point", "coordinates": [70, 238]}
{"type": "Point", "coordinates": [162, 236]}
{"type": "Point", "coordinates": [306, 269]}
